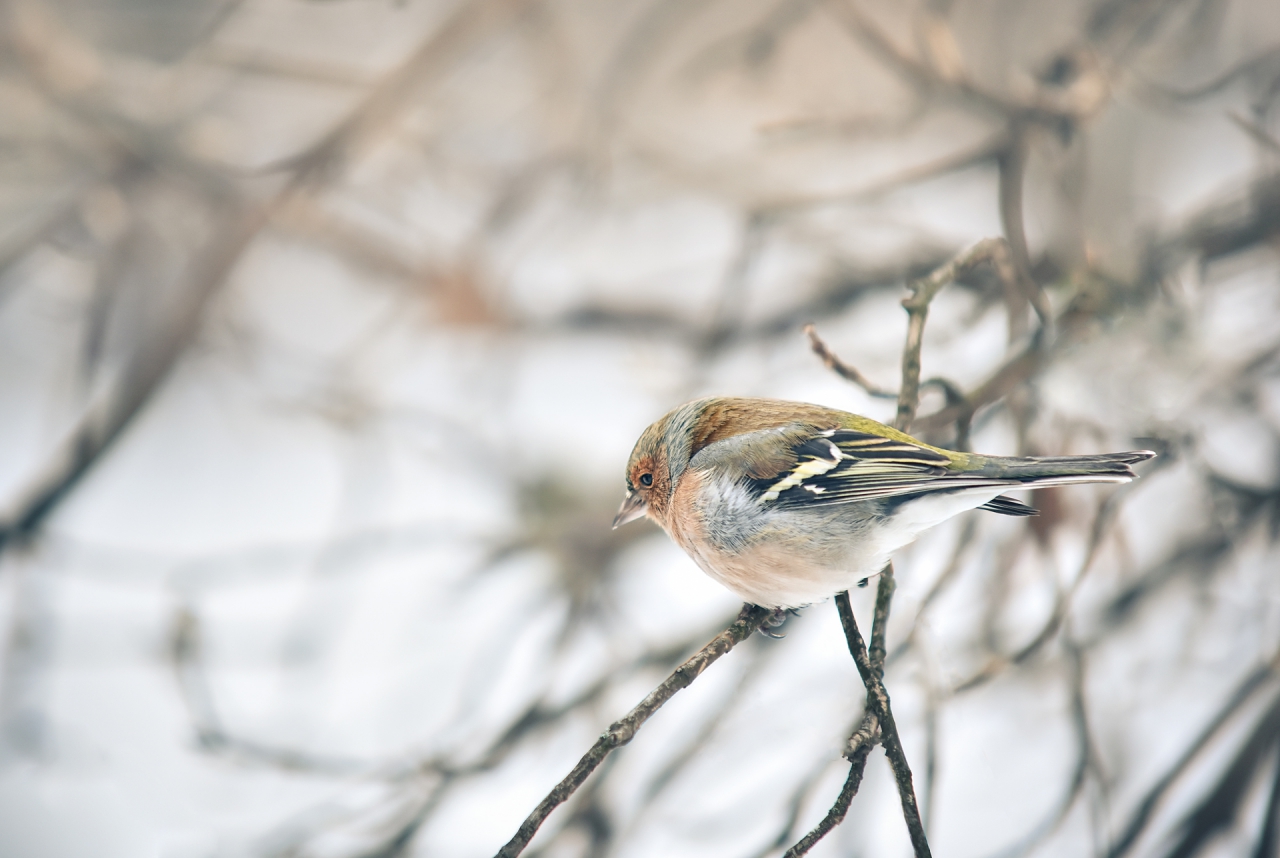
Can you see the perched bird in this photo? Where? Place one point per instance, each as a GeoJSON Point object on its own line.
{"type": "Point", "coordinates": [787, 503]}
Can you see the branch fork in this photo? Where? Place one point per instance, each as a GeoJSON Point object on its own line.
{"type": "Point", "coordinates": [877, 725]}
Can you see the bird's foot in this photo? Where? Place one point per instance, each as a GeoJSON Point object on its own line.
{"type": "Point", "coordinates": [775, 620]}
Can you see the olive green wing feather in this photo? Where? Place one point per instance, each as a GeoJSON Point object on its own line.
{"type": "Point", "coordinates": [845, 465]}
{"type": "Point", "coordinates": [798, 465]}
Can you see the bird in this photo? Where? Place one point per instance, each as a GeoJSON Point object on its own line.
{"type": "Point", "coordinates": [788, 503]}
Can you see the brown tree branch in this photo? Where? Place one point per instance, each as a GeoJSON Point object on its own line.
{"type": "Point", "coordinates": [878, 699]}
{"type": "Point", "coordinates": [870, 663]}
{"type": "Point", "coordinates": [917, 303]}
{"type": "Point", "coordinates": [868, 734]}
{"type": "Point", "coordinates": [860, 745]}
{"type": "Point", "coordinates": [623, 730]}
{"type": "Point", "coordinates": [846, 371]}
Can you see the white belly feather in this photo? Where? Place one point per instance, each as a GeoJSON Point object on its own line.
{"type": "Point", "coordinates": [794, 557]}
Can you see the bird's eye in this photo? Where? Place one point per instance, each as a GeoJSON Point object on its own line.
{"type": "Point", "coordinates": [646, 480]}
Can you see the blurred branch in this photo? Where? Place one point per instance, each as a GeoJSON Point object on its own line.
{"type": "Point", "coordinates": [984, 152]}
{"type": "Point", "coordinates": [684, 755]}
{"type": "Point", "coordinates": [730, 304]}
{"type": "Point", "coordinates": [106, 419]}
{"type": "Point", "coordinates": [1086, 761]}
{"type": "Point", "coordinates": [949, 574]}
{"type": "Point", "coordinates": [1014, 372]}
{"type": "Point", "coordinates": [838, 294]}
{"type": "Point", "coordinates": [1057, 110]}
{"type": "Point", "coordinates": [1103, 521]}
{"type": "Point", "coordinates": [35, 231]}
{"type": "Point", "coordinates": [186, 653]}
{"type": "Point", "coordinates": [1141, 816]}
{"type": "Point", "coordinates": [1243, 220]}
{"type": "Point", "coordinates": [795, 806]}
{"type": "Point", "coordinates": [1013, 261]}
{"type": "Point", "coordinates": [1255, 131]}
{"type": "Point", "coordinates": [469, 24]}
{"type": "Point", "coordinates": [1269, 840]}
{"type": "Point", "coordinates": [1265, 60]}
{"type": "Point", "coordinates": [1224, 803]}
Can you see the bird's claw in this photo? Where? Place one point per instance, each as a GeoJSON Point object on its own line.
{"type": "Point", "coordinates": [775, 620]}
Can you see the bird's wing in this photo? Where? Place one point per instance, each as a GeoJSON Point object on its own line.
{"type": "Point", "coordinates": [839, 466]}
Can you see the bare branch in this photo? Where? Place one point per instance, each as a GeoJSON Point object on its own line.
{"type": "Point", "coordinates": [879, 700]}
{"type": "Point", "coordinates": [622, 731]}
{"type": "Point", "coordinates": [864, 738]}
{"type": "Point", "coordinates": [917, 303]}
{"type": "Point", "coordinates": [860, 748]}
{"type": "Point", "coordinates": [846, 371]}
{"type": "Point", "coordinates": [871, 663]}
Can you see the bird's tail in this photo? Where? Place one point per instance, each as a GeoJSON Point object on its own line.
{"type": "Point", "coordinates": [1065, 470]}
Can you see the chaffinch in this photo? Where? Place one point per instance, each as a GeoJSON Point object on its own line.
{"type": "Point", "coordinates": [787, 503]}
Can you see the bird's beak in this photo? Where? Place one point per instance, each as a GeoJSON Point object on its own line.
{"type": "Point", "coordinates": [633, 507]}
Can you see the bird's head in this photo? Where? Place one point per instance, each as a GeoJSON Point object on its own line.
{"type": "Point", "coordinates": [649, 483]}
{"type": "Point", "coordinates": [656, 463]}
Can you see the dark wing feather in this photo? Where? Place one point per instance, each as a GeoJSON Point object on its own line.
{"type": "Point", "coordinates": [843, 466]}
{"type": "Point", "coordinates": [1006, 505]}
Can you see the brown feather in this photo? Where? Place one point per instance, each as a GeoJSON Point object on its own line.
{"type": "Point", "coordinates": [725, 418]}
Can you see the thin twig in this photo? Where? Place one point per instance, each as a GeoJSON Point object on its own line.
{"type": "Point", "coordinates": [879, 700]}
{"type": "Point", "coordinates": [917, 303]}
{"type": "Point", "coordinates": [842, 369]}
{"type": "Point", "coordinates": [880, 619]}
{"type": "Point", "coordinates": [861, 744]}
{"type": "Point", "coordinates": [622, 731]}
{"type": "Point", "coordinates": [868, 734]}
{"type": "Point", "coordinates": [955, 398]}
{"type": "Point", "coordinates": [1008, 376]}
{"type": "Point", "coordinates": [871, 663]}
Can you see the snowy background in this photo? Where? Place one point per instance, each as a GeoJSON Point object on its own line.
{"type": "Point", "coordinates": [326, 329]}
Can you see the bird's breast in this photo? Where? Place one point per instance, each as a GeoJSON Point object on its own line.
{"type": "Point", "coordinates": [768, 557]}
